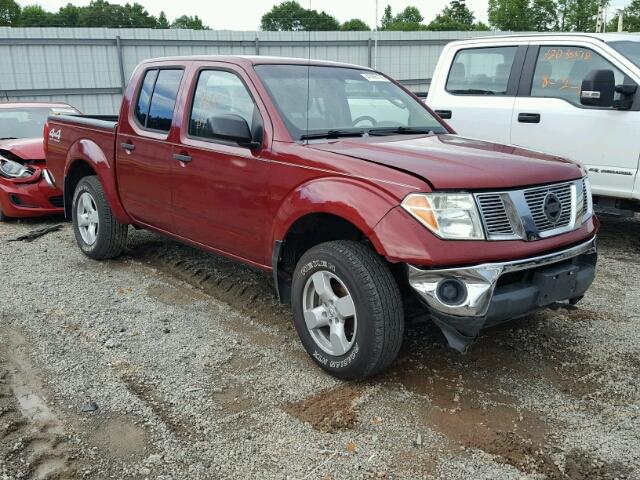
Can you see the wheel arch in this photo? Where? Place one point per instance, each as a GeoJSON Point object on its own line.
{"type": "Point", "coordinates": [85, 157]}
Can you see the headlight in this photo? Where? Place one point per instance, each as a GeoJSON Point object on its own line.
{"type": "Point", "coordinates": [453, 216]}
{"type": "Point", "coordinates": [11, 169]}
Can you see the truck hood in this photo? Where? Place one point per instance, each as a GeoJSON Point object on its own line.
{"type": "Point", "coordinates": [453, 162]}
{"type": "Point", "coordinates": [24, 148]}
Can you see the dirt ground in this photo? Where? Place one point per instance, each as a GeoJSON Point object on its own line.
{"type": "Point", "coordinates": [170, 363]}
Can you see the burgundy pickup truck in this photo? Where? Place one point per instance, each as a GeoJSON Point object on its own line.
{"type": "Point", "coordinates": [343, 185]}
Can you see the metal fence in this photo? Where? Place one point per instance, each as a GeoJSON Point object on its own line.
{"type": "Point", "coordinates": [89, 67]}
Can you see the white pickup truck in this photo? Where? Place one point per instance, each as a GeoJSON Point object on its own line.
{"type": "Point", "coordinates": [571, 95]}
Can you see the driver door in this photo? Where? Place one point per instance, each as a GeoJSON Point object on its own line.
{"type": "Point", "coordinates": [220, 191]}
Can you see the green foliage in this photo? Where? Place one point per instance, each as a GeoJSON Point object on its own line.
{"type": "Point", "coordinates": [355, 25]}
{"type": "Point", "coordinates": [410, 19]}
{"type": "Point", "coordinates": [189, 23]}
{"type": "Point", "coordinates": [580, 15]}
{"type": "Point", "coordinates": [544, 15]}
{"type": "Point", "coordinates": [9, 12]}
{"type": "Point", "coordinates": [291, 16]}
{"type": "Point", "coordinates": [99, 13]}
{"type": "Point", "coordinates": [510, 15]}
{"type": "Point", "coordinates": [455, 16]}
{"type": "Point", "coordinates": [630, 19]}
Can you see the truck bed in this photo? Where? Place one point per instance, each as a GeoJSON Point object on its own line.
{"type": "Point", "coordinates": [66, 134]}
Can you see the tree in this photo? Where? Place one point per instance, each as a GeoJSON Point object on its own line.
{"type": "Point", "coordinates": [510, 15]}
{"type": "Point", "coordinates": [630, 19]}
{"type": "Point", "coordinates": [68, 16]}
{"type": "Point", "coordinates": [355, 24]}
{"type": "Point", "coordinates": [408, 20]}
{"type": "Point", "coordinates": [162, 21]}
{"type": "Point", "coordinates": [189, 23]}
{"type": "Point", "coordinates": [544, 15]}
{"type": "Point", "coordinates": [291, 16]}
{"type": "Point", "coordinates": [387, 18]}
{"type": "Point", "coordinates": [9, 13]}
{"type": "Point", "coordinates": [581, 15]}
{"type": "Point", "coordinates": [455, 16]}
{"type": "Point", "coordinates": [36, 16]}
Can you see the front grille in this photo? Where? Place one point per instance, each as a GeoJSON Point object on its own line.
{"type": "Point", "coordinates": [57, 202]}
{"type": "Point", "coordinates": [535, 198]}
{"type": "Point", "coordinates": [520, 214]}
{"type": "Point", "coordinates": [494, 214]}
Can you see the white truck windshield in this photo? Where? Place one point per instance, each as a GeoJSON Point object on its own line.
{"type": "Point", "coordinates": [628, 48]}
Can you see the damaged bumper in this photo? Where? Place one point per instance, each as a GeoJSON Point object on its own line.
{"type": "Point", "coordinates": [32, 198]}
{"type": "Point", "coordinates": [464, 300]}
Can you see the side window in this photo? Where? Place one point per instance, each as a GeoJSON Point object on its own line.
{"type": "Point", "coordinates": [144, 97]}
{"type": "Point", "coordinates": [560, 70]}
{"type": "Point", "coordinates": [218, 92]}
{"type": "Point", "coordinates": [481, 71]}
{"type": "Point", "coordinates": [163, 100]}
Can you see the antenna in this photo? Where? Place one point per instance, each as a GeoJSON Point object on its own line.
{"type": "Point", "coordinates": [375, 42]}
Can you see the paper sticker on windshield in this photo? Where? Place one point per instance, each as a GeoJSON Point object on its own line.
{"type": "Point", "coordinates": [375, 77]}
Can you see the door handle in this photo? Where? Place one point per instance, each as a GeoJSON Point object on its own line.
{"type": "Point", "coordinates": [529, 117]}
{"type": "Point", "coordinates": [129, 147]}
{"type": "Point", "coordinates": [444, 114]}
{"type": "Point", "coordinates": [182, 158]}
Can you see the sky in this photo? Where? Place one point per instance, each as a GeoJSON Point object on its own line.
{"type": "Point", "coordinates": [246, 14]}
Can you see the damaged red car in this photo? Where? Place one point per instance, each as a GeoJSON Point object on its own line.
{"type": "Point", "coordinates": [26, 187]}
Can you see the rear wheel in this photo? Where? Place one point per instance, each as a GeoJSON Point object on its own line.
{"type": "Point", "coordinates": [347, 309]}
{"type": "Point", "coordinates": [2, 216]}
{"type": "Point", "coordinates": [98, 234]}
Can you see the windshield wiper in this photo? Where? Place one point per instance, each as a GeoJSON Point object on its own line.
{"type": "Point", "coordinates": [399, 130]}
{"type": "Point", "coordinates": [332, 134]}
{"type": "Point", "coordinates": [8, 138]}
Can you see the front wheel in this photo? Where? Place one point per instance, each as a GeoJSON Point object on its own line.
{"type": "Point", "coordinates": [98, 234]}
{"type": "Point", "coordinates": [347, 309]}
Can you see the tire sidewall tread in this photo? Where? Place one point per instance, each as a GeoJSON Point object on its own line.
{"type": "Point", "coordinates": [378, 305]}
{"type": "Point", "coordinates": [112, 235]}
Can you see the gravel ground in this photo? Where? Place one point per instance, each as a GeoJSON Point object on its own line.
{"type": "Point", "coordinates": [193, 371]}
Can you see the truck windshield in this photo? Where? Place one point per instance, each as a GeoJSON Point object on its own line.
{"type": "Point", "coordinates": [27, 122]}
{"type": "Point", "coordinates": [630, 49]}
{"type": "Point", "coordinates": [318, 101]}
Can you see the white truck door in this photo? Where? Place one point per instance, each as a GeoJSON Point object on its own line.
{"type": "Point", "coordinates": [474, 89]}
{"type": "Point", "coordinates": [548, 116]}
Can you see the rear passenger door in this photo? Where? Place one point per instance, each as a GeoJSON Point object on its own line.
{"type": "Point", "coordinates": [479, 92]}
{"type": "Point", "coordinates": [549, 117]}
{"type": "Point", "coordinates": [144, 154]}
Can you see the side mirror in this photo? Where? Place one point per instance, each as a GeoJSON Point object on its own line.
{"type": "Point", "coordinates": [230, 127]}
{"type": "Point", "coordinates": [598, 88]}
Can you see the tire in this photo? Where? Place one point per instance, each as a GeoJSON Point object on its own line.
{"type": "Point", "coordinates": [330, 281]}
{"type": "Point", "coordinates": [3, 218]}
{"type": "Point", "coordinates": [109, 237]}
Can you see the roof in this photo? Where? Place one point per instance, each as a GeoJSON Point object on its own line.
{"type": "Point", "coordinates": [254, 60]}
{"type": "Point", "coordinates": [604, 37]}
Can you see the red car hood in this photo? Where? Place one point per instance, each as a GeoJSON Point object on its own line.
{"type": "Point", "coordinates": [25, 148]}
{"type": "Point", "coordinates": [453, 162]}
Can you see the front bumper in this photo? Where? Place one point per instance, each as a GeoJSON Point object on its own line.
{"type": "Point", "coordinates": [36, 199]}
{"type": "Point", "coordinates": [498, 292]}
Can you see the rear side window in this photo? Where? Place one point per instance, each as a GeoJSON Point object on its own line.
{"type": "Point", "coordinates": [481, 71]}
{"type": "Point", "coordinates": [560, 70]}
{"type": "Point", "coordinates": [219, 93]}
{"type": "Point", "coordinates": [157, 99]}
{"type": "Point", "coordinates": [163, 100]}
{"type": "Point", "coordinates": [142, 106]}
